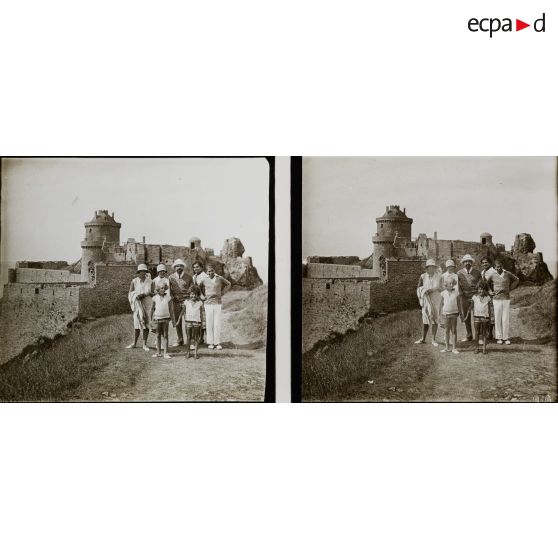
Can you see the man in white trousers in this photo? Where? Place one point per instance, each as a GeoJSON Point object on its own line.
{"type": "Point", "coordinates": [214, 287]}
{"type": "Point", "coordinates": [501, 283]}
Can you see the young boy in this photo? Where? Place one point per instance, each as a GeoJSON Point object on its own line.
{"type": "Point", "coordinates": [161, 278]}
{"type": "Point", "coordinates": [449, 310]}
{"type": "Point", "coordinates": [481, 315]}
{"type": "Point", "coordinates": [192, 312]}
{"type": "Point", "coordinates": [160, 317]}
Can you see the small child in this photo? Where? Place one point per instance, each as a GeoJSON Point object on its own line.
{"type": "Point", "coordinates": [192, 312]}
{"type": "Point", "coordinates": [160, 317]}
{"type": "Point", "coordinates": [450, 310]}
{"type": "Point", "coordinates": [161, 278]}
{"type": "Point", "coordinates": [481, 315]}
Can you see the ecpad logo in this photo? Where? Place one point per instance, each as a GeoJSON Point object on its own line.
{"type": "Point", "coordinates": [493, 25]}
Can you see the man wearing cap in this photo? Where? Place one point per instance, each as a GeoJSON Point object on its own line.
{"type": "Point", "coordinates": [180, 283]}
{"type": "Point", "coordinates": [469, 279]}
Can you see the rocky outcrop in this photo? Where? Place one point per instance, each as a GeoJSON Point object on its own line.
{"type": "Point", "coordinates": [529, 265]}
{"type": "Point", "coordinates": [531, 268]}
{"type": "Point", "coordinates": [238, 270]}
{"type": "Point", "coordinates": [524, 244]}
{"type": "Point", "coordinates": [232, 248]}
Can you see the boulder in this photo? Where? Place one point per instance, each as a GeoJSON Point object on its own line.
{"type": "Point", "coordinates": [238, 270]}
{"type": "Point", "coordinates": [232, 248]}
{"type": "Point", "coordinates": [241, 272]}
{"type": "Point", "coordinates": [531, 267]}
{"type": "Point", "coordinates": [524, 244]}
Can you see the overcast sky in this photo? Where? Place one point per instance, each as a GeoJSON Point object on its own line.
{"type": "Point", "coordinates": [45, 203]}
{"type": "Point", "coordinates": [458, 197]}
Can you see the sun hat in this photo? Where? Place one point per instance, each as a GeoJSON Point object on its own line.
{"type": "Point", "coordinates": [467, 258]}
{"type": "Point", "coordinates": [430, 263]}
{"type": "Point", "coordinates": [450, 263]}
{"type": "Point", "coordinates": [161, 267]}
{"type": "Point", "coordinates": [178, 262]}
{"type": "Point", "coordinates": [142, 267]}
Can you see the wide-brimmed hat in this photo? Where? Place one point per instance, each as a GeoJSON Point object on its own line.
{"type": "Point", "coordinates": [161, 267]}
{"type": "Point", "coordinates": [430, 263]}
{"type": "Point", "coordinates": [450, 263]}
{"type": "Point", "coordinates": [467, 258]}
{"type": "Point", "coordinates": [178, 262]}
{"type": "Point", "coordinates": [142, 267]}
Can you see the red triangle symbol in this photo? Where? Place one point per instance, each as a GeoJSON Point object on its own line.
{"type": "Point", "coordinates": [519, 25]}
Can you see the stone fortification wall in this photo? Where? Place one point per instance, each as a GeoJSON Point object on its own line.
{"type": "Point", "coordinates": [109, 293]}
{"type": "Point", "coordinates": [321, 270]}
{"type": "Point", "coordinates": [336, 304]}
{"type": "Point", "coordinates": [332, 305]}
{"type": "Point", "coordinates": [32, 275]}
{"type": "Point", "coordinates": [337, 260]}
{"type": "Point", "coordinates": [29, 312]}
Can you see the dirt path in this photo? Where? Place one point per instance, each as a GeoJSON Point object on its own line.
{"type": "Point", "coordinates": [233, 374]}
{"type": "Point", "coordinates": [523, 371]}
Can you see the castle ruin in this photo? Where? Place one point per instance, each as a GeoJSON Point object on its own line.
{"type": "Point", "coordinates": [340, 290]}
{"type": "Point", "coordinates": [42, 298]}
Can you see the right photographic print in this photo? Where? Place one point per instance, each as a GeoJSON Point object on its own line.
{"type": "Point", "coordinates": [429, 279]}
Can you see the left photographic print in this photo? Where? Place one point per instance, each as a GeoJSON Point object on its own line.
{"type": "Point", "coordinates": [136, 279]}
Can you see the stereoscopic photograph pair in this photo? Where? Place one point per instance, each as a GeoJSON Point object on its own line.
{"type": "Point", "coordinates": [413, 279]}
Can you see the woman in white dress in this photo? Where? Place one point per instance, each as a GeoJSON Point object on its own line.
{"type": "Point", "coordinates": [428, 293]}
{"type": "Point", "coordinates": [139, 297]}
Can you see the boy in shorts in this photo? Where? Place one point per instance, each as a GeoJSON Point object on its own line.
{"type": "Point", "coordinates": [481, 315]}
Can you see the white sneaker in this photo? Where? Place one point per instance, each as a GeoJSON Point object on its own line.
{"type": "Point", "coordinates": [131, 346]}
{"type": "Point", "coordinates": [210, 346]}
{"type": "Point", "coordinates": [434, 343]}
{"type": "Point", "coordinates": [507, 342]}
{"type": "Point", "coordinates": [145, 348]}
{"type": "Point", "coordinates": [219, 348]}
{"type": "Point", "coordinates": [465, 339]}
{"type": "Point", "coordinates": [455, 352]}
{"type": "Point", "coordinates": [419, 342]}
{"type": "Point", "coordinates": [499, 341]}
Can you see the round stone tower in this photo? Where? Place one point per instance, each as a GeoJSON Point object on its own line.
{"type": "Point", "coordinates": [102, 228]}
{"type": "Point", "coordinates": [393, 230]}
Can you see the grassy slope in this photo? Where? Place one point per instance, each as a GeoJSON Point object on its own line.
{"type": "Point", "coordinates": [59, 367]}
{"type": "Point", "coordinates": [382, 351]}
{"type": "Point", "coordinates": [63, 364]}
{"type": "Point", "coordinates": [334, 372]}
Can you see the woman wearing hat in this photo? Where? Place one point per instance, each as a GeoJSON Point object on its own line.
{"type": "Point", "coordinates": [428, 292]}
{"type": "Point", "coordinates": [161, 279]}
{"type": "Point", "coordinates": [139, 297]}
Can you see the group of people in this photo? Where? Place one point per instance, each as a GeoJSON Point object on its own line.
{"type": "Point", "coordinates": [191, 302]}
{"type": "Point", "coordinates": [481, 297]}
